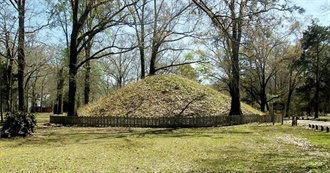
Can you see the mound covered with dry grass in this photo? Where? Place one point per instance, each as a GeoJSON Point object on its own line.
{"type": "Point", "coordinates": [163, 95]}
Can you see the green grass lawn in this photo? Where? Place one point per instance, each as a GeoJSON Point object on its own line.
{"type": "Point", "coordinates": [244, 148]}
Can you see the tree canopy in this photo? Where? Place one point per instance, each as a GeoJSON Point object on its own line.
{"type": "Point", "coordinates": [65, 54]}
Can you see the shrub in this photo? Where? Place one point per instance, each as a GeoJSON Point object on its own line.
{"type": "Point", "coordinates": [18, 124]}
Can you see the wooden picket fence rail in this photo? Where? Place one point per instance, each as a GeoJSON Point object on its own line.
{"type": "Point", "coordinates": [115, 121]}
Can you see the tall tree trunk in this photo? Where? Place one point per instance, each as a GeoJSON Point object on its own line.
{"type": "Point", "coordinates": [87, 82]}
{"type": "Point", "coordinates": [317, 87]}
{"type": "Point", "coordinates": [142, 59]}
{"type": "Point", "coordinates": [152, 68]}
{"type": "Point", "coordinates": [263, 101]}
{"type": "Point", "coordinates": [288, 101]}
{"type": "Point", "coordinates": [235, 43]}
{"type": "Point", "coordinates": [76, 27]}
{"type": "Point", "coordinates": [234, 83]}
{"type": "Point", "coordinates": [316, 99]}
{"type": "Point", "coordinates": [72, 109]}
{"type": "Point", "coordinates": [316, 103]}
{"type": "Point", "coordinates": [21, 54]}
{"type": "Point", "coordinates": [9, 85]}
{"type": "Point", "coordinates": [87, 67]}
{"type": "Point", "coordinates": [33, 94]}
{"type": "Point", "coordinates": [42, 94]}
{"type": "Point", "coordinates": [60, 86]}
{"type": "Point", "coordinates": [263, 96]}
{"type": "Point", "coordinates": [9, 79]}
{"type": "Point", "coordinates": [141, 45]}
{"type": "Point", "coordinates": [154, 46]}
{"type": "Point", "coordinates": [33, 102]}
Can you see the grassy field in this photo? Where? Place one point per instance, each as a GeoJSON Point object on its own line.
{"type": "Point", "coordinates": [244, 148]}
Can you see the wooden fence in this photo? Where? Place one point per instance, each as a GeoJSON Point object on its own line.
{"type": "Point", "coordinates": [115, 121]}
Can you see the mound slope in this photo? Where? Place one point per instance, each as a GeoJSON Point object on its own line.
{"type": "Point", "coordinates": [163, 95]}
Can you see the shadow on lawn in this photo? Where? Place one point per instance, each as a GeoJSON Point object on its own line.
{"type": "Point", "coordinates": [157, 132]}
{"type": "Point", "coordinates": [57, 136]}
{"type": "Point", "coordinates": [179, 133]}
{"type": "Point", "coordinates": [275, 161]}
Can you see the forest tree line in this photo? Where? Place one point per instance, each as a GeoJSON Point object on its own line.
{"type": "Point", "coordinates": [77, 51]}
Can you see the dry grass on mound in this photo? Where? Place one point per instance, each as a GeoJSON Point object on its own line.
{"type": "Point", "coordinates": [163, 95]}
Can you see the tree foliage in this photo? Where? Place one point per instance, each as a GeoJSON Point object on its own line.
{"type": "Point", "coordinates": [244, 47]}
{"type": "Point", "coordinates": [18, 124]}
{"type": "Point", "coordinates": [232, 18]}
{"type": "Point", "coordinates": [315, 61]}
{"type": "Point", "coordinates": [108, 14]}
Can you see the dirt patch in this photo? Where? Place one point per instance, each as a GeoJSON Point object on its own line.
{"type": "Point", "coordinates": [299, 142]}
{"type": "Point", "coordinates": [304, 145]}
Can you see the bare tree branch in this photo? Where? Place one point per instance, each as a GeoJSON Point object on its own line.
{"type": "Point", "coordinates": [101, 53]}
{"type": "Point", "coordinates": [179, 64]}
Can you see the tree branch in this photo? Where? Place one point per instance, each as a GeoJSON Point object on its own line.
{"type": "Point", "coordinates": [198, 98]}
{"type": "Point", "coordinates": [180, 64]}
{"type": "Point", "coordinates": [97, 56]}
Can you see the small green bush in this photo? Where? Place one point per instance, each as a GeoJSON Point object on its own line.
{"type": "Point", "coordinates": [18, 124]}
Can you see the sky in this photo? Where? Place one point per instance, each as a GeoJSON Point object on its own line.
{"type": "Point", "coordinates": [315, 9]}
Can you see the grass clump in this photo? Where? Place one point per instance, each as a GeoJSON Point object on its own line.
{"type": "Point", "coordinates": [163, 95]}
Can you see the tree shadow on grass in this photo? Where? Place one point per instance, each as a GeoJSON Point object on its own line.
{"type": "Point", "coordinates": [74, 135]}
{"type": "Point", "coordinates": [179, 133]}
{"type": "Point", "coordinates": [267, 162]}
{"type": "Point", "coordinates": [60, 140]}
{"type": "Point", "coordinates": [238, 132]}
{"type": "Point", "coordinates": [58, 136]}
{"type": "Point", "coordinates": [160, 132]}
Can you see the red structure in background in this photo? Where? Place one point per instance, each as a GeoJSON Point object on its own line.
{"type": "Point", "coordinates": [43, 109]}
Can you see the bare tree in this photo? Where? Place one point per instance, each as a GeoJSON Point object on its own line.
{"type": "Point", "coordinates": [119, 69]}
{"type": "Point", "coordinates": [263, 55]}
{"type": "Point", "coordinates": [140, 21]}
{"type": "Point", "coordinates": [19, 5]}
{"type": "Point", "coordinates": [61, 16]}
{"type": "Point", "coordinates": [232, 18]}
{"type": "Point", "coordinates": [292, 75]}
{"type": "Point", "coordinates": [37, 59]}
{"type": "Point", "coordinates": [166, 30]}
{"type": "Point", "coordinates": [159, 26]}
{"type": "Point", "coordinates": [110, 14]}
{"type": "Point", "coordinates": [15, 34]}
{"type": "Point", "coordinates": [8, 26]}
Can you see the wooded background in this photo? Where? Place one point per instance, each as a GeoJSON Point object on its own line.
{"type": "Point", "coordinates": [73, 52]}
